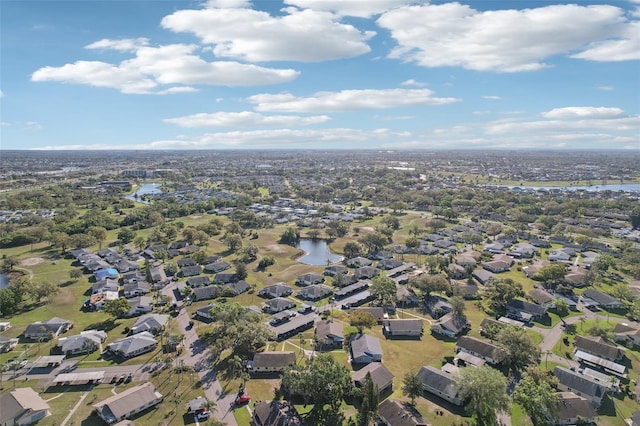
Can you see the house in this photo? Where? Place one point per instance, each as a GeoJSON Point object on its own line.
{"type": "Point", "coordinates": [381, 377]}
{"type": "Point", "coordinates": [626, 333]}
{"type": "Point", "coordinates": [334, 270]}
{"type": "Point", "coordinates": [197, 404]}
{"type": "Point", "coordinates": [314, 292]}
{"type": "Point", "coordinates": [356, 287]}
{"type": "Point", "coordinates": [86, 342]}
{"type": "Point", "coordinates": [450, 325]}
{"type": "Point", "coordinates": [398, 413]}
{"type": "Point", "coordinates": [276, 290]}
{"type": "Point", "coordinates": [271, 362]}
{"type": "Point", "coordinates": [236, 288]}
{"type": "Point", "coordinates": [365, 349]}
{"type": "Point", "coordinates": [599, 347]}
{"type": "Point", "coordinates": [377, 312]}
{"type": "Point", "coordinates": [309, 279]}
{"type": "Point", "coordinates": [456, 272]}
{"type": "Point", "coordinates": [140, 305]}
{"type": "Point", "coordinates": [158, 275]}
{"type": "Point", "coordinates": [490, 327]}
{"type": "Point", "coordinates": [483, 276]}
{"type": "Point", "coordinates": [576, 276]}
{"type": "Point", "coordinates": [573, 410]}
{"type": "Point", "coordinates": [329, 334]}
{"type": "Point", "coordinates": [153, 323]}
{"type": "Point", "coordinates": [523, 251]}
{"type": "Point", "coordinates": [276, 413]}
{"type": "Point", "coordinates": [47, 330]}
{"type": "Point", "coordinates": [124, 265]}
{"type": "Point", "coordinates": [101, 274]}
{"type": "Point", "coordinates": [104, 286]}
{"type": "Point", "coordinates": [603, 300]}
{"type": "Point", "coordinates": [531, 271]}
{"type": "Point", "coordinates": [437, 306]}
{"type": "Point", "coordinates": [183, 263]}
{"type": "Point", "coordinates": [276, 305]}
{"type": "Point", "coordinates": [136, 288]}
{"type": "Point", "coordinates": [7, 344]}
{"type": "Point", "coordinates": [292, 327]}
{"type": "Point", "coordinates": [387, 264]}
{"type": "Point", "coordinates": [199, 281]}
{"type": "Point", "coordinates": [487, 351]}
{"type": "Point", "coordinates": [402, 328]}
{"type": "Point", "coordinates": [405, 297]}
{"type": "Point", "coordinates": [216, 267]}
{"type": "Point", "coordinates": [358, 262]}
{"type": "Point", "coordinates": [206, 293]}
{"type": "Point", "coordinates": [365, 272]}
{"type": "Point", "coordinates": [439, 383]}
{"type": "Point", "coordinates": [525, 311]}
{"type": "Point", "coordinates": [128, 403]}
{"type": "Point", "coordinates": [225, 278]}
{"type": "Point", "coordinates": [204, 313]}
{"type": "Point", "coordinates": [541, 297]}
{"type": "Point", "coordinates": [561, 255]}
{"type": "Point", "coordinates": [132, 346]}
{"type": "Point", "coordinates": [22, 406]}
{"type": "Point", "coordinates": [571, 381]}
{"type": "Point", "coordinates": [190, 271]}
{"type": "Point", "coordinates": [496, 266]}
{"type": "Point", "coordinates": [468, 291]}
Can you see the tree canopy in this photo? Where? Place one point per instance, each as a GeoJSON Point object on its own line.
{"type": "Point", "coordinates": [484, 390]}
{"type": "Point", "coordinates": [384, 290]}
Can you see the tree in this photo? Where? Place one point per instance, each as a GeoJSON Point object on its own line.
{"type": "Point", "coordinates": [241, 271]}
{"type": "Point", "coordinates": [233, 241]}
{"type": "Point", "coordinates": [161, 255]}
{"type": "Point", "coordinates": [428, 283]}
{"type": "Point", "coordinates": [323, 381]}
{"type": "Point", "coordinates": [290, 236]}
{"type": "Point", "coordinates": [126, 235]}
{"type": "Point", "coordinates": [9, 262]}
{"type": "Point", "coordinates": [561, 307]}
{"type": "Point", "coordinates": [42, 290]}
{"type": "Point", "coordinates": [484, 389]}
{"type": "Point", "coordinates": [373, 242]}
{"type": "Point", "coordinates": [537, 397]}
{"type": "Point", "coordinates": [411, 386]}
{"type": "Point", "coordinates": [351, 250]}
{"type": "Point", "coordinates": [458, 306]}
{"type": "Point", "coordinates": [140, 242]}
{"type": "Point", "coordinates": [9, 301]}
{"type": "Point", "coordinates": [500, 291]}
{"type": "Point", "coordinates": [361, 320]}
{"type": "Point", "coordinates": [369, 405]}
{"type": "Point", "coordinates": [521, 350]}
{"type": "Point", "coordinates": [116, 307]}
{"type": "Point", "coordinates": [601, 330]}
{"type": "Point", "coordinates": [552, 275]}
{"type": "Point", "coordinates": [384, 290]}
{"type": "Point", "coordinates": [60, 240]}
{"type": "Point", "coordinates": [99, 233]}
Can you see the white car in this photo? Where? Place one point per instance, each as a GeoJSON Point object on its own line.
{"type": "Point", "coordinates": [203, 415]}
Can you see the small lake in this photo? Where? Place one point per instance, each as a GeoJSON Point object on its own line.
{"type": "Point", "coordinates": [630, 187]}
{"type": "Point", "coordinates": [4, 281]}
{"type": "Point", "coordinates": [144, 189]}
{"type": "Point", "coordinates": [316, 253]}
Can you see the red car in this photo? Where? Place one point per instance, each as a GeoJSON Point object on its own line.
{"type": "Point", "coordinates": [242, 398]}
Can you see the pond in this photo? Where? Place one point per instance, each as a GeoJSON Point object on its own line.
{"type": "Point", "coordinates": [316, 253]}
{"type": "Point", "coordinates": [145, 188]}
{"type": "Point", "coordinates": [4, 281]}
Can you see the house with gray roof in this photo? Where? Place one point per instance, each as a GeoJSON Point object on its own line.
{"type": "Point", "coordinates": [399, 328]}
{"type": "Point", "coordinates": [439, 383]}
{"type": "Point", "coordinates": [47, 330]}
{"type": "Point", "coordinates": [599, 347]}
{"type": "Point", "coordinates": [450, 325]}
{"type": "Point", "coordinates": [22, 406]}
{"type": "Point", "coordinates": [329, 334]}
{"type": "Point", "coordinates": [279, 304]}
{"type": "Point", "coordinates": [525, 311]}
{"type": "Point", "coordinates": [358, 262]}
{"type": "Point", "coordinates": [276, 413]}
{"type": "Point", "coordinates": [190, 271]}
{"type": "Point", "coordinates": [7, 343]}
{"type": "Point", "coordinates": [309, 279]}
{"type": "Point", "coordinates": [271, 362]}
{"type": "Point", "coordinates": [199, 281]}
{"type": "Point", "coordinates": [236, 288]}
{"type": "Point", "coordinates": [225, 278]}
{"type": "Point", "coordinates": [152, 323]}
{"type": "Point", "coordinates": [603, 300]}
{"type": "Point", "coordinates": [86, 342]}
{"type": "Point", "coordinates": [216, 267]}
{"type": "Point", "coordinates": [585, 386]}
{"type": "Point", "coordinates": [206, 293]}
{"type": "Point", "coordinates": [382, 378]}
{"type": "Point", "coordinates": [485, 350]}
{"type": "Point", "coordinates": [365, 349]}
{"type": "Point", "coordinates": [132, 346]}
{"type": "Point", "coordinates": [128, 403]}
{"type": "Point", "coordinates": [204, 313]}
{"type": "Point", "coordinates": [136, 288]}
{"type": "Point", "coordinates": [314, 292]}
{"type": "Point", "coordinates": [276, 290]}
{"type": "Point", "coordinates": [573, 409]}
{"type": "Point", "coordinates": [393, 412]}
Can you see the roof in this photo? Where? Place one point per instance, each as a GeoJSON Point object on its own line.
{"type": "Point", "coordinates": [326, 328]}
{"type": "Point", "coordinates": [484, 348]}
{"type": "Point", "coordinates": [541, 297]}
{"type": "Point", "coordinates": [530, 308]}
{"type": "Point", "coordinates": [150, 322]}
{"type": "Point", "coordinates": [237, 287]}
{"type": "Point", "coordinates": [404, 325]}
{"type": "Point", "coordinates": [598, 346]}
{"type": "Point", "coordinates": [314, 291]}
{"type": "Point", "coordinates": [208, 292]}
{"type": "Point", "coordinates": [600, 297]}
{"type": "Point", "coordinates": [365, 345]}
{"type": "Point", "coordinates": [437, 379]}
{"type": "Point", "coordinates": [133, 343]}
{"type": "Point", "coordinates": [398, 413]}
{"type": "Point", "coordinates": [128, 400]}
{"type": "Point", "coordinates": [276, 290]}
{"type": "Point", "coordinates": [570, 406]}
{"type": "Point", "coordinates": [276, 413]}
{"type": "Point", "coordinates": [616, 368]}
{"type": "Point", "coordinates": [15, 402]}
{"type": "Point", "coordinates": [380, 375]}
{"type": "Point", "coordinates": [583, 384]}
{"type": "Point", "coordinates": [274, 359]}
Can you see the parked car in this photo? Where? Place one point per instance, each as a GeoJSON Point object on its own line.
{"type": "Point", "coordinates": [203, 415]}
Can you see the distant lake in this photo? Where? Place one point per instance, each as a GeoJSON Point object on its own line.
{"type": "Point", "coordinates": [145, 188]}
{"type": "Point", "coordinates": [316, 253]}
{"type": "Point", "coordinates": [631, 187]}
{"type": "Point", "coordinates": [4, 281]}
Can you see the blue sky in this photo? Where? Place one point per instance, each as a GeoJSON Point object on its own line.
{"type": "Point", "coordinates": [319, 74]}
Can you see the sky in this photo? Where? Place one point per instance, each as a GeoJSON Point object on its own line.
{"type": "Point", "coordinates": [319, 74]}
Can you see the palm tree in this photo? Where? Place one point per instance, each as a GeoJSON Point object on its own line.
{"type": "Point", "coordinates": [236, 365]}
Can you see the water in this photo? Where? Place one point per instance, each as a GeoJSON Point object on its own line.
{"type": "Point", "coordinates": [316, 253]}
{"type": "Point", "coordinates": [4, 281]}
{"type": "Point", "coordinates": [145, 188]}
{"type": "Point", "coordinates": [630, 187]}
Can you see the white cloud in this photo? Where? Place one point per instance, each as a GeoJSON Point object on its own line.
{"type": "Point", "coordinates": [606, 88]}
{"type": "Point", "coordinates": [625, 48]}
{"type": "Point", "coordinates": [357, 8]}
{"type": "Point", "coordinates": [347, 100]}
{"type": "Point", "coordinates": [583, 112]}
{"type": "Point", "coordinates": [244, 119]}
{"type": "Point", "coordinates": [1, 94]}
{"type": "Point", "coordinates": [412, 83]}
{"type": "Point", "coordinates": [453, 34]}
{"type": "Point", "coordinates": [164, 65]}
{"type": "Point", "coordinates": [492, 97]}
{"type": "Point", "coordinates": [122, 45]}
{"type": "Point", "coordinates": [255, 36]}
